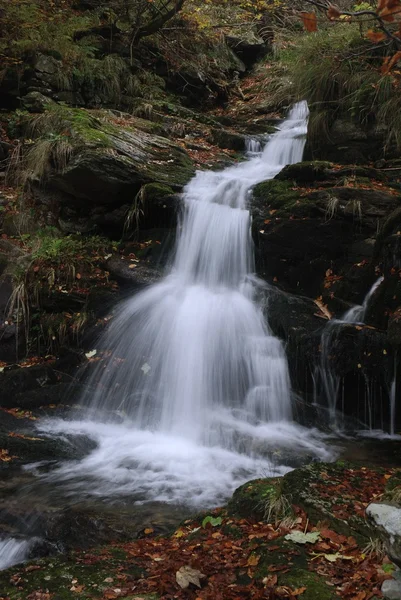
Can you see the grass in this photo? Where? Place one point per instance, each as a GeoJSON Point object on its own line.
{"type": "Point", "coordinates": [54, 264]}
{"type": "Point", "coordinates": [338, 73]}
{"type": "Point", "coordinates": [277, 508]}
{"type": "Point", "coordinates": [51, 139]}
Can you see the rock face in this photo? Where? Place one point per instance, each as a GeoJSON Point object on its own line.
{"type": "Point", "coordinates": [113, 175]}
{"type": "Point", "coordinates": [326, 233]}
{"type": "Point", "coordinates": [350, 143]}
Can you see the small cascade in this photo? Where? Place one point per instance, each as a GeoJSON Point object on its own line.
{"type": "Point", "coordinates": [13, 551]}
{"type": "Point", "coordinates": [357, 313]}
{"type": "Point", "coordinates": [253, 147]}
{"type": "Point", "coordinates": [393, 397]}
{"type": "Point", "coordinates": [194, 370]}
{"type": "Point", "coordinates": [326, 380]}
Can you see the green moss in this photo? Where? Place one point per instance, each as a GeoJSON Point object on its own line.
{"type": "Point", "coordinates": [316, 586]}
{"type": "Point", "coordinates": [250, 500]}
{"type": "Point", "coordinates": [280, 197]}
{"type": "Point", "coordinates": [56, 575]}
{"type": "Point", "coordinates": [281, 553]}
{"type": "Point", "coordinates": [302, 486]}
{"type": "Point", "coordinates": [156, 191]}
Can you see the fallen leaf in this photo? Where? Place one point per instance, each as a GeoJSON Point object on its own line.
{"type": "Point", "coordinates": [253, 560]}
{"type": "Point", "coordinates": [303, 538]}
{"type": "Point", "coordinates": [187, 575]}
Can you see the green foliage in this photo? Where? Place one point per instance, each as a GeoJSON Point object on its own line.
{"type": "Point", "coordinates": [213, 521]}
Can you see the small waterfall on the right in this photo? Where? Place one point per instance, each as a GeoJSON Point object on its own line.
{"type": "Point", "coordinates": [327, 380]}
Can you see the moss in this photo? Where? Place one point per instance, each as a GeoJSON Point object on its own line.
{"type": "Point", "coordinates": [302, 486]}
{"type": "Point", "coordinates": [316, 586]}
{"type": "Point", "coordinates": [56, 575]}
{"type": "Point", "coordinates": [282, 198]}
{"type": "Point", "coordinates": [156, 191]}
{"type": "Point", "coordinates": [250, 500]}
{"type": "Point", "coordinates": [314, 170]}
{"type": "Point", "coordinates": [281, 552]}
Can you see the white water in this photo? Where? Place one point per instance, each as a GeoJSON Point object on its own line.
{"type": "Point", "coordinates": [13, 551]}
{"type": "Point", "coordinates": [327, 382]}
{"type": "Point", "coordinates": [194, 369]}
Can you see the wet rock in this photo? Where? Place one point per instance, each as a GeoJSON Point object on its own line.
{"type": "Point", "coordinates": [131, 273]}
{"type": "Point", "coordinates": [18, 381]}
{"type": "Point", "coordinates": [387, 519]}
{"type": "Point", "coordinates": [31, 387]}
{"type": "Point", "coordinates": [228, 139]}
{"type": "Point", "coordinates": [26, 445]}
{"type": "Point", "coordinates": [394, 328]}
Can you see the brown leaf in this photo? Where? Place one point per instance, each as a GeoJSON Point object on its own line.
{"type": "Point", "coordinates": [309, 20]}
{"type": "Point", "coordinates": [333, 12]}
{"type": "Point", "coordinates": [375, 36]}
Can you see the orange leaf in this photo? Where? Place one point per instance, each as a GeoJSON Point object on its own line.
{"type": "Point", "coordinates": [298, 591]}
{"type": "Point", "coordinates": [387, 14]}
{"type": "Point", "coordinates": [394, 5]}
{"type": "Point", "coordinates": [253, 560]}
{"type": "Point", "coordinates": [333, 12]}
{"type": "Point", "coordinates": [382, 4]}
{"type": "Point", "coordinates": [309, 20]}
{"type": "Point", "coordinates": [390, 62]}
{"type": "Point", "coordinates": [375, 36]}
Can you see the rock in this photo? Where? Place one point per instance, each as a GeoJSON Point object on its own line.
{"type": "Point", "coordinates": [111, 167]}
{"type": "Point", "coordinates": [35, 102]}
{"type": "Point", "coordinates": [391, 589]}
{"type": "Point", "coordinates": [388, 519]}
{"type": "Point", "coordinates": [348, 142]}
{"type": "Point", "coordinates": [133, 274]}
{"type": "Point", "coordinates": [30, 387]}
{"type": "Point", "coordinates": [394, 328]}
{"type": "Point", "coordinates": [228, 139]}
{"type": "Point", "coordinates": [47, 64]}
{"type": "Point", "coordinates": [21, 380]}
{"type": "Point", "coordinates": [252, 499]}
{"type": "Point", "coordinates": [249, 46]}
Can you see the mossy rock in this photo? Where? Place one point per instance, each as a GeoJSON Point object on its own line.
{"type": "Point", "coordinates": [307, 171]}
{"type": "Point", "coordinates": [312, 488]}
{"type": "Point", "coordinates": [299, 576]}
{"type": "Point", "coordinates": [106, 163]}
{"type": "Point", "coordinates": [251, 500]}
{"type": "Point", "coordinates": [279, 198]}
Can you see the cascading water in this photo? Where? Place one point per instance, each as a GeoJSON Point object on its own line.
{"type": "Point", "coordinates": [327, 381]}
{"type": "Point", "coordinates": [13, 551]}
{"type": "Point", "coordinates": [194, 366]}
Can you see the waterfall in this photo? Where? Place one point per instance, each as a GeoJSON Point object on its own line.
{"type": "Point", "coordinates": [196, 346]}
{"type": "Point", "coordinates": [13, 551]}
{"type": "Point", "coordinates": [193, 369]}
{"type": "Point", "coordinates": [327, 382]}
{"type": "Point", "coordinates": [357, 313]}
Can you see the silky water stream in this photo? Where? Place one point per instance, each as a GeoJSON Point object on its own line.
{"type": "Point", "coordinates": [195, 396]}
